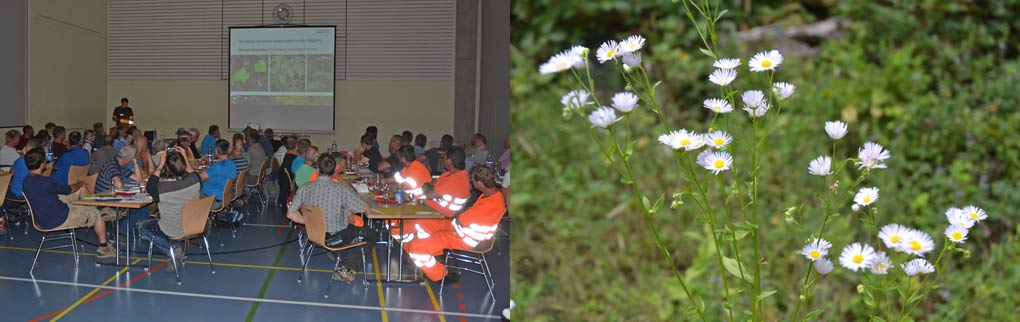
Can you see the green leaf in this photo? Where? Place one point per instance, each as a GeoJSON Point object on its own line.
{"type": "Point", "coordinates": [241, 75]}
{"type": "Point", "coordinates": [877, 319]}
{"type": "Point", "coordinates": [260, 66]}
{"type": "Point", "coordinates": [721, 13]}
{"type": "Point", "coordinates": [630, 150]}
{"type": "Point", "coordinates": [626, 181]}
{"type": "Point", "coordinates": [812, 315]}
{"type": "Point", "coordinates": [707, 52]}
{"type": "Point", "coordinates": [765, 294]}
{"type": "Point", "coordinates": [645, 202]}
{"type": "Point", "coordinates": [658, 203]}
{"type": "Point", "coordinates": [735, 268]}
{"type": "Point", "coordinates": [656, 84]}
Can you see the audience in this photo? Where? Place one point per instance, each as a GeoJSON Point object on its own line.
{"type": "Point", "coordinates": [192, 138]}
{"type": "Point", "coordinates": [27, 133]}
{"type": "Point", "coordinates": [304, 172]}
{"type": "Point", "coordinates": [256, 156]}
{"type": "Point", "coordinates": [406, 138]}
{"type": "Point", "coordinates": [117, 173]}
{"type": "Point", "coordinates": [19, 170]}
{"type": "Point", "coordinates": [393, 161]}
{"type": "Point", "coordinates": [268, 143]}
{"type": "Point", "coordinates": [419, 147]}
{"type": "Point", "coordinates": [102, 155]}
{"type": "Point", "coordinates": [367, 152]}
{"type": "Point", "coordinates": [57, 146]}
{"type": "Point", "coordinates": [338, 201]}
{"type": "Point", "coordinates": [89, 141]}
{"type": "Point", "coordinates": [413, 174]}
{"type": "Point", "coordinates": [435, 154]}
{"type": "Point", "coordinates": [217, 174]}
{"type": "Point", "coordinates": [172, 184]}
{"type": "Point", "coordinates": [9, 152]}
{"type": "Point", "coordinates": [299, 159]}
{"type": "Point", "coordinates": [75, 156]}
{"type": "Point", "coordinates": [51, 203]}
{"type": "Point", "coordinates": [238, 156]}
{"type": "Point", "coordinates": [288, 160]}
{"type": "Point", "coordinates": [481, 152]}
{"type": "Point", "coordinates": [374, 131]}
{"type": "Point", "coordinates": [448, 194]}
{"type": "Point", "coordinates": [98, 129]}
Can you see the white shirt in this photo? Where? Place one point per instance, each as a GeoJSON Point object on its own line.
{"type": "Point", "coordinates": [8, 155]}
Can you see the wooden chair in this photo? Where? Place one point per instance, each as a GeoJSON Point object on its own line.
{"type": "Point", "coordinates": [19, 204]}
{"type": "Point", "coordinates": [256, 188]}
{"type": "Point", "coordinates": [195, 215]}
{"type": "Point", "coordinates": [47, 169]}
{"type": "Point", "coordinates": [5, 183]}
{"type": "Point", "coordinates": [315, 224]}
{"type": "Point", "coordinates": [68, 233]}
{"type": "Point", "coordinates": [228, 195]}
{"type": "Point", "coordinates": [476, 257]}
{"type": "Point", "coordinates": [239, 185]}
{"type": "Point", "coordinates": [76, 173]}
{"type": "Point", "coordinates": [90, 183]}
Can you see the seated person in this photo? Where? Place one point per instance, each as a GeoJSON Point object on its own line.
{"type": "Point", "coordinates": [366, 152]}
{"type": "Point", "coordinates": [89, 141]}
{"type": "Point", "coordinates": [256, 156]}
{"type": "Point", "coordinates": [306, 169]}
{"type": "Point", "coordinates": [447, 195]}
{"type": "Point", "coordinates": [288, 160]}
{"type": "Point", "coordinates": [9, 152]}
{"type": "Point", "coordinates": [474, 225]}
{"type": "Point", "coordinates": [51, 203]}
{"type": "Point", "coordinates": [102, 155]}
{"type": "Point", "coordinates": [58, 146]}
{"type": "Point", "coordinates": [338, 201]}
{"type": "Point", "coordinates": [419, 147]}
{"type": "Point", "coordinates": [299, 158]}
{"type": "Point", "coordinates": [393, 161]}
{"type": "Point", "coordinates": [122, 171]}
{"type": "Point", "coordinates": [413, 174]}
{"type": "Point", "coordinates": [217, 174]}
{"type": "Point", "coordinates": [27, 133]}
{"type": "Point", "coordinates": [19, 170]}
{"type": "Point", "coordinates": [238, 156]}
{"type": "Point", "coordinates": [173, 183]}
{"type": "Point", "coordinates": [209, 141]}
{"type": "Point", "coordinates": [75, 156]}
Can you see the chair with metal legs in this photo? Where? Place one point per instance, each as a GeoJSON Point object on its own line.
{"type": "Point", "coordinates": [194, 216]}
{"type": "Point", "coordinates": [256, 188]}
{"type": "Point", "coordinates": [228, 195]}
{"type": "Point", "coordinates": [315, 224]}
{"type": "Point", "coordinates": [476, 257]}
{"type": "Point", "coordinates": [46, 233]}
{"type": "Point", "coordinates": [5, 183]}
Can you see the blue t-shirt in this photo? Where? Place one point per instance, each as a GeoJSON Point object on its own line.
{"type": "Point", "coordinates": [20, 170]}
{"type": "Point", "coordinates": [42, 192]}
{"type": "Point", "coordinates": [208, 144]}
{"type": "Point", "coordinates": [118, 143]}
{"type": "Point", "coordinates": [218, 173]}
{"type": "Point", "coordinates": [298, 161]}
{"type": "Point", "coordinates": [267, 146]}
{"type": "Point", "coordinates": [112, 169]}
{"type": "Point", "coordinates": [76, 156]}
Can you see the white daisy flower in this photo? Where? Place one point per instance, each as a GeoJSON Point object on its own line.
{"type": "Point", "coordinates": [579, 51]}
{"type": "Point", "coordinates": [835, 129]}
{"type": "Point", "coordinates": [603, 117]}
{"type": "Point", "coordinates": [758, 111]}
{"type": "Point", "coordinates": [820, 166]}
{"type": "Point", "coordinates": [823, 266]}
{"type": "Point", "coordinates": [956, 233]}
{"type": "Point", "coordinates": [575, 99]}
{"type": "Point", "coordinates": [625, 102]}
{"type": "Point", "coordinates": [718, 139]}
{"type": "Point", "coordinates": [857, 256]}
{"type": "Point", "coordinates": [560, 62]}
{"type": "Point", "coordinates": [631, 60]}
{"type": "Point", "coordinates": [715, 161]}
{"type": "Point", "coordinates": [917, 243]}
{"type": "Point", "coordinates": [872, 156]}
{"type": "Point", "coordinates": [753, 98]}
{"type": "Point", "coordinates": [816, 250]}
{"type": "Point", "coordinates": [608, 51]}
{"type": "Point", "coordinates": [881, 264]}
{"type": "Point", "coordinates": [765, 61]}
{"type": "Point", "coordinates": [722, 77]}
{"type": "Point", "coordinates": [866, 196]}
{"type": "Point", "coordinates": [682, 139]}
{"type": "Point", "coordinates": [957, 216]}
{"type": "Point", "coordinates": [718, 105]}
{"type": "Point", "coordinates": [726, 63]}
{"type": "Point", "coordinates": [975, 213]}
{"type": "Point", "coordinates": [917, 266]}
{"type": "Point", "coordinates": [632, 44]}
{"type": "Point", "coordinates": [893, 235]}
{"type": "Point", "coordinates": [783, 90]}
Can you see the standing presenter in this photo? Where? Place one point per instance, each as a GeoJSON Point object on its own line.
{"type": "Point", "coordinates": [123, 114]}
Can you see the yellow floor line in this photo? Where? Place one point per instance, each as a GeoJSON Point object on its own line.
{"type": "Point", "coordinates": [378, 285]}
{"type": "Point", "coordinates": [87, 296]}
{"type": "Point", "coordinates": [432, 296]}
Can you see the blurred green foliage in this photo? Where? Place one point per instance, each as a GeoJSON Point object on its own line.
{"type": "Point", "coordinates": [935, 82]}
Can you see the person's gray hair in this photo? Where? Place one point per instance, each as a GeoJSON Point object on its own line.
{"type": "Point", "coordinates": [127, 152]}
{"type": "Point", "coordinates": [193, 131]}
{"type": "Point", "coordinates": [312, 156]}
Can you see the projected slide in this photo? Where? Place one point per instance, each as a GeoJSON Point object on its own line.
{"type": "Point", "coordinates": [282, 78]}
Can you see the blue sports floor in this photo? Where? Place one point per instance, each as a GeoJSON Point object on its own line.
{"type": "Point", "coordinates": [256, 279]}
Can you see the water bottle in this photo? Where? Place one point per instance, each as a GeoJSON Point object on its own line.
{"type": "Point", "coordinates": [399, 198]}
{"type": "Point", "coordinates": [489, 163]}
{"type": "Point", "coordinates": [332, 148]}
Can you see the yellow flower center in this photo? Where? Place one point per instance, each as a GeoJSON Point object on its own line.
{"type": "Point", "coordinates": [957, 235]}
{"type": "Point", "coordinates": [815, 254]}
{"type": "Point", "coordinates": [881, 266]}
{"type": "Point", "coordinates": [858, 258]}
{"type": "Point", "coordinates": [561, 65]}
{"type": "Point", "coordinates": [895, 239]}
{"type": "Point", "coordinates": [766, 63]}
{"type": "Point", "coordinates": [974, 215]}
{"type": "Point", "coordinates": [962, 223]}
{"type": "Point", "coordinates": [610, 53]}
{"type": "Point", "coordinates": [915, 245]}
{"type": "Point", "coordinates": [867, 199]}
{"type": "Point", "coordinates": [717, 108]}
{"type": "Point", "coordinates": [719, 164]}
{"type": "Point", "coordinates": [685, 142]}
{"type": "Point", "coordinates": [719, 141]}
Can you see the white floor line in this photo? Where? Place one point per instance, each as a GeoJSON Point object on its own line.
{"type": "Point", "coordinates": [250, 299]}
{"type": "Point", "coordinates": [264, 225]}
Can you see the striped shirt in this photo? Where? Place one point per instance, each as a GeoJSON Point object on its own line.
{"type": "Point", "coordinates": [240, 162]}
{"type": "Point", "coordinates": [112, 169]}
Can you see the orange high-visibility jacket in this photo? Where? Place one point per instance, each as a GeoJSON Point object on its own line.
{"type": "Point", "coordinates": [413, 177]}
{"type": "Point", "coordinates": [478, 223]}
{"type": "Point", "coordinates": [454, 190]}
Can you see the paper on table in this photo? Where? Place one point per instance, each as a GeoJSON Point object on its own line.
{"type": "Point", "coordinates": [361, 187]}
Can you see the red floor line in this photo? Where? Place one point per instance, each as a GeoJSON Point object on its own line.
{"type": "Point", "coordinates": [107, 292]}
{"type": "Point", "coordinates": [279, 231]}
